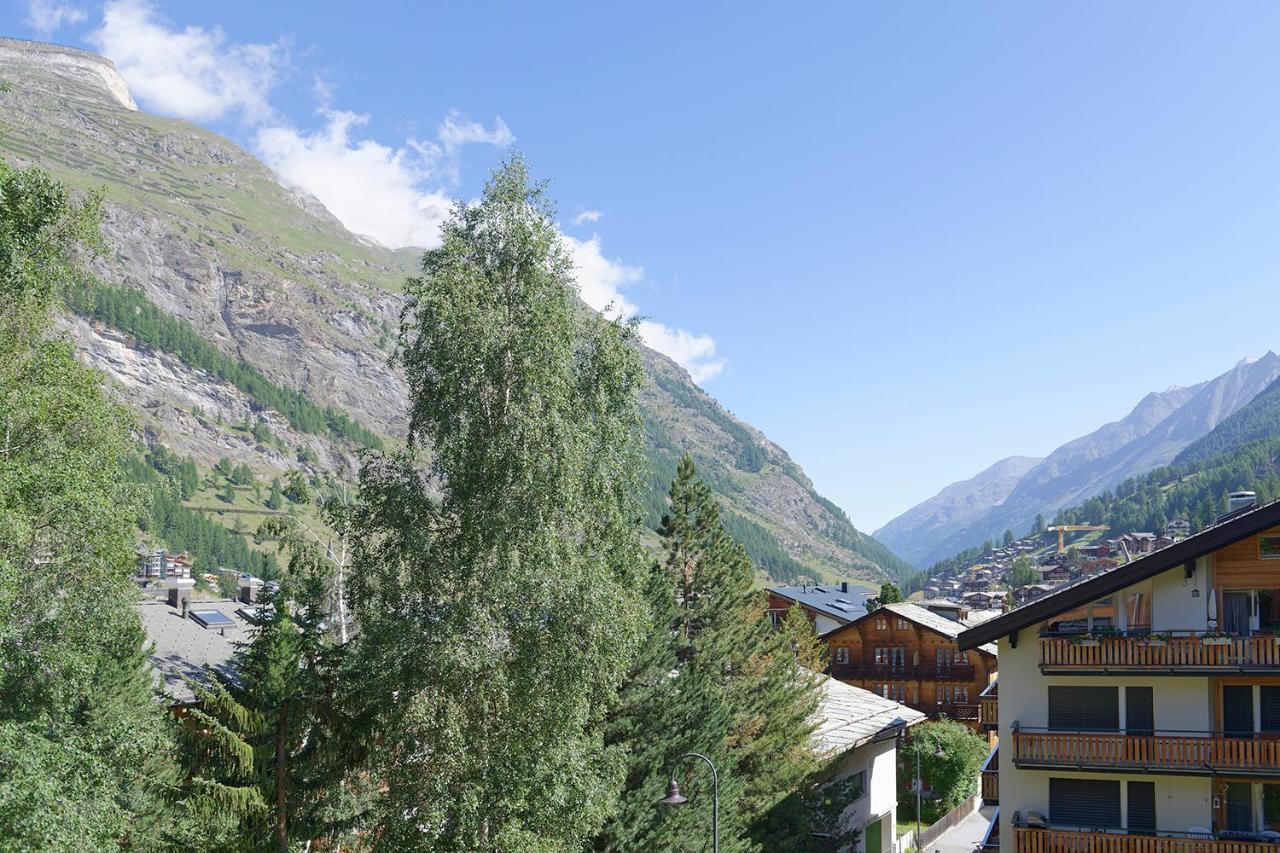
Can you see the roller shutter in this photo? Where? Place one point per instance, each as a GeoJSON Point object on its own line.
{"type": "Point", "coordinates": [1076, 709]}
{"type": "Point", "coordinates": [1086, 803]}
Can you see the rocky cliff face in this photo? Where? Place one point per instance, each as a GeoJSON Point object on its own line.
{"type": "Point", "coordinates": [205, 231]}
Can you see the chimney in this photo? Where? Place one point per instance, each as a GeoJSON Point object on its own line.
{"type": "Point", "coordinates": [1240, 500]}
{"type": "Point", "coordinates": [844, 586]}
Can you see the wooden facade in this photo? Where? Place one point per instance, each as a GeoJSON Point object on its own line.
{"type": "Point", "coordinates": [894, 655]}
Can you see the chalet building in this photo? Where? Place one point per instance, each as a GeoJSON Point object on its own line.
{"type": "Point", "coordinates": [1178, 528]}
{"type": "Point", "coordinates": [1138, 711]}
{"type": "Point", "coordinates": [828, 606]}
{"type": "Point", "coordinates": [909, 654]}
{"type": "Point", "coordinates": [857, 732]}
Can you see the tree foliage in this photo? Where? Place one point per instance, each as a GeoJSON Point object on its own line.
{"type": "Point", "coordinates": [82, 745]}
{"type": "Point", "coordinates": [889, 594]}
{"type": "Point", "coordinates": [950, 754]}
{"type": "Point", "coordinates": [714, 677]}
{"type": "Point", "coordinates": [494, 583]}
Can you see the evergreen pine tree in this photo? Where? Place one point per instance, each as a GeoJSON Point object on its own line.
{"type": "Point", "coordinates": [713, 677]}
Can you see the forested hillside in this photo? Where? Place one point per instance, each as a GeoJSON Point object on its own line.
{"type": "Point", "coordinates": [230, 301]}
{"type": "Point", "coordinates": [1258, 420]}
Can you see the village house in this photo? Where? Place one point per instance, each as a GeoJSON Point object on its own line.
{"type": "Point", "coordinates": [858, 731]}
{"type": "Point", "coordinates": [1178, 528]}
{"type": "Point", "coordinates": [828, 607]}
{"type": "Point", "coordinates": [1139, 710]}
{"type": "Point", "coordinates": [159, 564]}
{"type": "Point", "coordinates": [909, 654]}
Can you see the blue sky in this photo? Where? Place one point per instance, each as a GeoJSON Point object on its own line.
{"type": "Point", "coordinates": [919, 237]}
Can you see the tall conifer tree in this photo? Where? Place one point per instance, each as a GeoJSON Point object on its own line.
{"type": "Point", "coordinates": [713, 677]}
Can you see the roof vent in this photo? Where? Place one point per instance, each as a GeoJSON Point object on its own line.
{"type": "Point", "coordinates": [1240, 500]}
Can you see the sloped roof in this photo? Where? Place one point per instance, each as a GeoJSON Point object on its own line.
{"type": "Point", "coordinates": [848, 717]}
{"type": "Point", "coordinates": [917, 614]}
{"type": "Point", "coordinates": [1229, 529]}
{"type": "Point", "coordinates": [828, 600]}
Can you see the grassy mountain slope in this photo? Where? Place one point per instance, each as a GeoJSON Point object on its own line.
{"type": "Point", "coordinates": [256, 311]}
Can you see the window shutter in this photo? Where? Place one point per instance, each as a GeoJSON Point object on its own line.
{"type": "Point", "coordinates": [1139, 711]}
{"type": "Point", "coordinates": [1084, 708]}
{"type": "Point", "coordinates": [1270, 709]}
{"type": "Point", "coordinates": [1237, 710]}
{"type": "Point", "coordinates": [1086, 803]}
{"type": "Point", "coordinates": [1142, 806]}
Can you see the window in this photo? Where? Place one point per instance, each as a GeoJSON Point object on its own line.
{"type": "Point", "coordinates": [941, 655]}
{"type": "Point", "coordinates": [857, 784]}
{"type": "Point", "coordinates": [1139, 711]}
{"type": "Point", "coordinates": [842, 654]}
{"type": "Point", "coordinates": [902, 625]}
{"type": "Point", "coordinates": [1076, 709]}
{"type": "Point", "coordinates": [775, 617]}
{"type": "Point", "coordinates": [1269, 547]}
{"type": "Point", "coordinates": [884, 691]}
{"type": "Point", "coordinates": [1142, 807]}
{"type": "Point", "coordinates": [1086, 803]}
{"type": "Point", "coordinates": [960, 658]}
{"type": "Point", "coordinates": [882, 656]}
{"type": "Point", "coordinates": [1271, 807]}
{"type": "Point", "coordinates": [882, 624]}
{"type": "Point", "coordinates": [962, 695]}
{"type": "Point", "coordinates": [1270, 702]}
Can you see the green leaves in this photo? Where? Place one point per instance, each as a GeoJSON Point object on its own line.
{"type": "Point", "coordinates": [493, 579]}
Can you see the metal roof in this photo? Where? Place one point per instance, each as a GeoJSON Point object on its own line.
{"type": "Point", "coordinates": [1229, 529]}
{"type": "Point", "coordinates": [828, 600]}
{"type": "Point", "coordinates": [184, 648]}
{"type": "Point", "coordinates": [848, 717]}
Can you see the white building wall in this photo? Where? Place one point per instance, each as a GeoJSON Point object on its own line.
{"type": "Point", "coordinates": [823, 624]}
{"type": "Point", "coordinates": [1181, 703]}
{"type": "Point", "coordinates": [880, 761]}
{"type": "Point", "coordinates": [1174, 603]}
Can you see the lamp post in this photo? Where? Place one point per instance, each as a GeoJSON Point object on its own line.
{"type": "Point", "coordinates": [674, 797]}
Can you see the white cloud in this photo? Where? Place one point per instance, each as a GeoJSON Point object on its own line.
{"type": "Point", "coordinates": [587, 216]}
{"type": "Point", "coordinates": [695, 353]}
{"type": "Point", "coordinates": [192, 72]}
{"type": "Point", "coordinates": [45, 16]}
{"type": "Point", "coordinates": [600, 283]}
{"type": "Point", "coordinates": [392, 195]}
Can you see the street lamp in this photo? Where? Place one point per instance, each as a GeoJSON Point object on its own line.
{"type": "Point", "coordinates": [675, 798]}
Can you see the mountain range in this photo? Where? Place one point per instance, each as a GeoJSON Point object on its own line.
{"type": "Point", "coordinates": [1009, 494]}
{"type": "Point", "coordinates": [251, 307]}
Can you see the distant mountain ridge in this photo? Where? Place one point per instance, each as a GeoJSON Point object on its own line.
{"type": "Point", "coordinates": [1158, 428]}
{"type": "Point", "coordinates": [207, 236]}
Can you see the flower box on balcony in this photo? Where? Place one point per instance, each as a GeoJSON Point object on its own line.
{"type": "Point", "coordinates": [1215, 641]}
{"type": "Point", "coordinates": [1090, 643]}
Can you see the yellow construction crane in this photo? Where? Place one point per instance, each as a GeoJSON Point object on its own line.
{"type": "Point", "coordinates": [1072, 528]}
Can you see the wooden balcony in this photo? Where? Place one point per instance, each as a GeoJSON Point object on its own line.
{"type": "Point", "coordinates": [1181, 653]}
{"type": "Point", "coordinates": [991, 779]}
{"type": "Point", "coordinates": [1180, 753]}
{"type": "Point", "coordinates": [989, 707]}
{"type": "Point", "coordinates": [955, 710]}
{"type": "Point", "coordinates": [889, 672]}
{"type": "Point", "coordinates": [1079, 841]}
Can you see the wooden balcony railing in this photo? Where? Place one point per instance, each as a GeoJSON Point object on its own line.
{"type": "Point", "coordinates": [991, 779]}
{"type": "Point", "coordinates": [1081, 841]}
{"type": "Point", "coordinates": [1182, 652]}
{"type": "Point", "coordinates": [989, 706]}
{"type": "Point", "coordinates": [954, 710]}
{"type": "Point", "coordinates": [888, 672]}
{"type": "Point", "coordinates": [1183, 753]}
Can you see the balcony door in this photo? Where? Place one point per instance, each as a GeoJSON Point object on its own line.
{"type": "Point", "coordinates": [1238, 803]}
{"type": "Point", "coordinates": [1084, 709]}
{"type": "Point", "coordinates": [1237, 612]}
